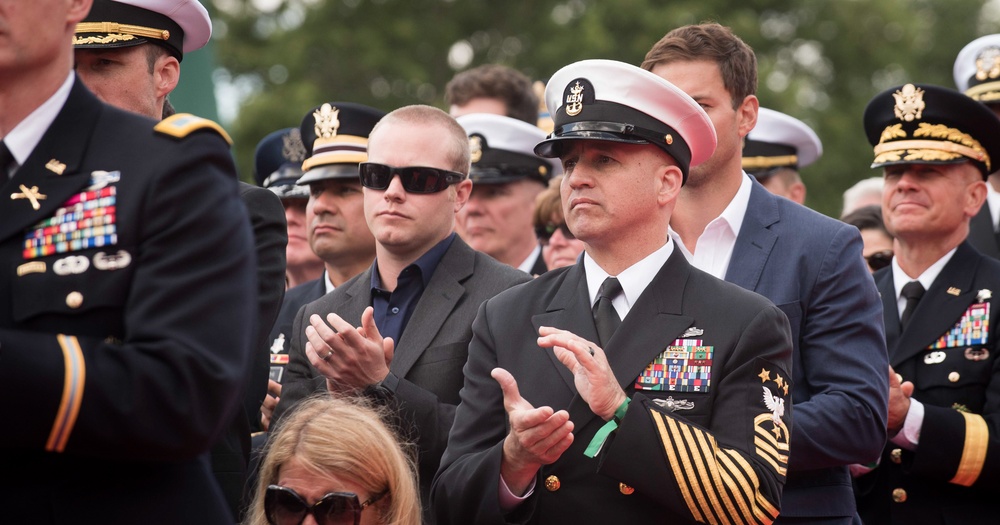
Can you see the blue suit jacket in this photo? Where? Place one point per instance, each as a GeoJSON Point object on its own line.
{"type": "Point", "coordinates": [810, 266]}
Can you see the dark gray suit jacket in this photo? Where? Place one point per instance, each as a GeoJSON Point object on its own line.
{"type": "Point", "coordinates": [811, 267]}
{"type": "Point", "coordinates": [430, 354]}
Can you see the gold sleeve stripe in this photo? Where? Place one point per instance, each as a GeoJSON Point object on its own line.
{"type": "Point", "coordinates": [766, 455]}
{"type": "Point", "coordinates": [69, 407]}
{"type": "Point", "coordinates": [977, 436]}
{"type": "Point", "coordinates": [718, 486]}
{"type": "Point", "coordinates": [747, 480]}
{"type": "Point", "coordinates": [674, 463]}
{"type": "Point", "coordinates": [702, 470]}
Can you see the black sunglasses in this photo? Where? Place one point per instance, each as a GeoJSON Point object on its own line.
{"type": "Point", "coordinates": [284, 506]}
{"type": "Point", "coordinates": [879, 260]}
{"type": "Point", "coordinates": [545, 232]}
{"type": "Point", "coordinates": [415, 179]}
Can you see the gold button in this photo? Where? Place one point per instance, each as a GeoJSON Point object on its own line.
{"type": "Point", "coordinates": [74, 299]}
{"type": "Point", "coordinates": [625, 489]}
{"type": "Point", "coordinates": [552, 483]}
{"type": "Point", "coordinates": [954, 377]}
{"type": "Point", "coordinates": [896, 455]}
{"type": "Point", "coordinates": [898, 495]}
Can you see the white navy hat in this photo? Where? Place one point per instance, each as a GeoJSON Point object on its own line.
{"type": "Point", "coordinates": [977, 69]}
{"type": "Point", "coordinates": [503, 150]}
{"type": "Point", "coordinates": [618, 102]}
{"type": "Point", "coordinates": [181, 26]}
{"type": "Point", "coordinates": [779, 141]}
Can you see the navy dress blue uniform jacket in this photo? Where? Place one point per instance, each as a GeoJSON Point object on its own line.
{"type": "Point", "coordinates": [119, 377]}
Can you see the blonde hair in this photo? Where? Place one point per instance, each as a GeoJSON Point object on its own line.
{"type": "Point", "coordinates": [348, 438]}
{"type": "Point", "coordinates": [455, 139]}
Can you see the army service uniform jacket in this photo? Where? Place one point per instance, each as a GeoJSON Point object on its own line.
{"type": "Point", "coordinates": [430, 353]}
{"type": "Point", "coordinates": [702, 359]}
{"type": "Point", "coordinates": [129, 304]}
{"type": "Point", "coordinates": [949, 352]}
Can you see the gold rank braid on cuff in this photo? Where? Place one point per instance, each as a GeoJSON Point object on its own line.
{"type": "Point", "coordinates": [977, 436]}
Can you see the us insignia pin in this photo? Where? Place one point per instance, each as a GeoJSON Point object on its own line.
{"type": "Point", "coordinates": [55, 166]}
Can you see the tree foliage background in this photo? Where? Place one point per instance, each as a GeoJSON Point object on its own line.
{"type": "Point", "coordinates": [819, 60]}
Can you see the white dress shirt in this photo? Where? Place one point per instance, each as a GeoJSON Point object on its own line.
{"type": "Point", "coordinates": [21, 140]}
{"type": "Point", "coordinates": [715, 245]}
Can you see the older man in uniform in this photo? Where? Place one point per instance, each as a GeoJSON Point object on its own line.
{"type": "Point", "coordinates": [774, 151]}
{"type": "Point", "coordinates": [277, 167]}
{"type": "Point", "coordinates": [498, 220]}
{"type": "Point", "coordinates": [936, 147]}
{"type": "Point", "coordinates": [693, 384]}
{"type": "Point", "coordinates": [128, 327]}
{"type": "Point", "coordinates": [977, 74]}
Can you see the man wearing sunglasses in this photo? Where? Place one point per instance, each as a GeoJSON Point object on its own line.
{"type": "Point", "coordinates": [942, 464]}
{"type": "Point", "coordinates": [674, 399]}
{"type": "Point", "coordinates": [399, 332]}
{"type": "Point", "coordinates": [508, 177]}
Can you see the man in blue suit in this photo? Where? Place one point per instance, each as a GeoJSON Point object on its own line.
{"type": "Point", "coordinates": [810, 266]}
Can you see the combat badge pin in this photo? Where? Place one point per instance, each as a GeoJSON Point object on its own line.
{"type": "Point", "coordinates": [114, 261]}
{"type": "Point", "coordinates": [31, 194]}
{"type": "Point", "coordinates": [674, 405]}
{"type": "Point", "coordinates": [694, 331]}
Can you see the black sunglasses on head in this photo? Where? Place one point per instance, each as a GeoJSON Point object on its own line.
{"type": "Point", "coordinates": [415, 179]}
{"type": "Point", "coordinates": [545, 232]}
{"type": "Point", "coordinates": [879, 260]}
{"type": "Point", "coordinates": [284, 506]}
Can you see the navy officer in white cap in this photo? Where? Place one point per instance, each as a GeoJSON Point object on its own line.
{"type": "Point", "coordinates": [508, 176]}
{"type": "Point", "coordinates": [128, 52]}
{"type": "Point", "coordinates": [776, 148]}
{"type": "Point", "coordinates": [977, 74]}
{"type": "Point", "coordinates": [679, 415]}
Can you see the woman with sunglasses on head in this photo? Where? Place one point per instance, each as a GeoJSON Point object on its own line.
{"type": "Point", "coordinates": [333, 461]}
{"type": "Point", "coordinates": [877, 240]}
{"type": "Point", "coordinates": [559, 247]}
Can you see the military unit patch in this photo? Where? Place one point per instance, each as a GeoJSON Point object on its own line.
{"type": "Point", "coordinates": [685, 366]}
{"type": "Point", "coordinates": [972, 329]}
{"type": "Point", "coordinates": [86, 220]}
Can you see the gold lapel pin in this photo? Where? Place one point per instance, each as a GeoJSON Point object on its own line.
{"type": "Point", "coordinates": [32, 194]}
{"type": "Point", "coordinates": [954, 291]}
{"type": "Point", "coordinates": [55, 166]}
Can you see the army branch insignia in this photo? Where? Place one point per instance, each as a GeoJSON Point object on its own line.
{"type": "Point", "coordinates": [909, 103]}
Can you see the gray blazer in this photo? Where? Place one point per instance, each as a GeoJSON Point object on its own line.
{"type": "Point", "coordinates": [430, 354]}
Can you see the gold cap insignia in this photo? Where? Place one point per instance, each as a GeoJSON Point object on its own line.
{"type": "Point", "coordinates": [988, 63]}
{"type": "Point", "coordinates": [292, 149]}
{"type": "Point", "coordinates": [574, 101]}
{"type": "Point", "coordinates": [475, 148]}
{"type": "Point", "coordinates": [326, 121]}
{"type": "Point", "coordinates": [909, 103]}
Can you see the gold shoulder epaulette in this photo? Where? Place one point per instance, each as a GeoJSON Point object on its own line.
{"type": "Point", "coordinates": [183, 124]}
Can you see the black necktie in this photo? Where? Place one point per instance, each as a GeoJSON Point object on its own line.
{"type": "Point", "coordinates": [6, 159]}
{"type": "Point", "coordinates": [912, 292]}
{"type": "Point", "coordinates": [605, 316]}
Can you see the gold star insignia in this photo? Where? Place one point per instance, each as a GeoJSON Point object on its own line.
{"type": "Point", "coordinates": [764, 375]}
{"type": "Point", "coordinates": [785, 388]}
{"type": "Point", "coordinates": [777, 432]}
{"type": "Point", "coordinates": [780, 380]}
